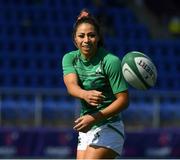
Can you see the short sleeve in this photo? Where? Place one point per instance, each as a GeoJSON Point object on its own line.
{"type": "Point", "coordinates": [114, 73]}
{"type": "Point", "coordinates": [67, 64]}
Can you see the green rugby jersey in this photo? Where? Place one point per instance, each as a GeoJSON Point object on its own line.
{"type": "Point", "coordinates": [102, 73]}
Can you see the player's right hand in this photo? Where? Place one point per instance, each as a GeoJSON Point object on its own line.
{"type": "Point", "coordinates": [93, 97]}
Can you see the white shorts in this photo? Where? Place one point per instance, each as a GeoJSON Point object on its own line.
{"type": "Point", "coordinates": [110, 135]}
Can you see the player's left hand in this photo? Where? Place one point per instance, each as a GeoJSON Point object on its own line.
{"type": "Point", "coordinates": [84, 123]}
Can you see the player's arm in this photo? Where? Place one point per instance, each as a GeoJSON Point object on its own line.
{"type": "Point", "coordinates": [92, 97]}
{"type": "Point", "coordinates": [120, 90]}
{"type": "Point", "coordinates": [84, 123]}
{"type": "Point", "coordinates": [120, 104]}
{"type": "Point", "coordinates": [72, 86]}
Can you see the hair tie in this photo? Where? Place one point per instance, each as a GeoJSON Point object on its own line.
{"type": "Point", "coordinates": [84, 13]}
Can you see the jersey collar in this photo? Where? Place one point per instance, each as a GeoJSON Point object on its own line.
{"type": "Point", "coordinates": [92, 58]}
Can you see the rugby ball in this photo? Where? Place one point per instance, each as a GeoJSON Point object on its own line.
{"type": "Point", "coordinates": [139, 70]}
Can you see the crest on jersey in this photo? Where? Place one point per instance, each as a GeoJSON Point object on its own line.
{"type": "Point", "coordinates": [98, 70]}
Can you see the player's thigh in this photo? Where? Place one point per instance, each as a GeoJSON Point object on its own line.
{"type": "Point", "coordinates": [97, 152]}
{"type": "Point", "coordinates": [80, 154]}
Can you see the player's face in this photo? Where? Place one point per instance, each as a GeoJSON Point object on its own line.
{"type": "Point", "coordinates": [86, 39]}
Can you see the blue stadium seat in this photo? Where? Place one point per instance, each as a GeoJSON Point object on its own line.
{"type": "Point", "coordinates": [9, 109]}
{"type": "Point", "coordinates": [167, 112]}
{"type": "Point", "coordinates": [26, 108]}
{"type": "Point", "coordinates": [138, 111]}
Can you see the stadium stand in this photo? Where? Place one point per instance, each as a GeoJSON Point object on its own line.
{"type": "Point", "coordinates": [36, 113]}
{"type": "Point", "coordinates": [35, 34]}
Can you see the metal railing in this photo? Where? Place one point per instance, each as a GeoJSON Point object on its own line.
{"type": "Point", "coordinates": [154, 99]}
